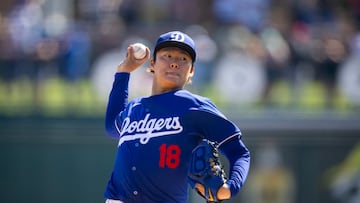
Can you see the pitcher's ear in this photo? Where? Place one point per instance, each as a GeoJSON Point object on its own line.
{"type": "Point", "coordinates": [150, 69]}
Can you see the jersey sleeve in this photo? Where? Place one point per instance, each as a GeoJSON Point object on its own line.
{"type": "Point", "coordinates": [217, 127]}
{"type": "Point", "coordinates": [212, 126]}
{"type": "Point", "coordinates": [117, 102]}
{"type": "Point", "coordinates": [238, 156]}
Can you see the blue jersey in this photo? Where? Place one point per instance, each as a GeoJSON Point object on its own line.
{"type": "Point", "coordinates": [156, 135]}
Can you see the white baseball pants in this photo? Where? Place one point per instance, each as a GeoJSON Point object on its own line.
{"type": "Point", "coordinates": [113, 201]}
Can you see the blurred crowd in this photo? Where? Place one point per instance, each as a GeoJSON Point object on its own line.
{"type": "Point", "coordinates": [245, 47]}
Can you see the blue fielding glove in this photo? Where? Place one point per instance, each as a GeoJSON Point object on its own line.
{"type": "Point", "coordinates": [206, 169]}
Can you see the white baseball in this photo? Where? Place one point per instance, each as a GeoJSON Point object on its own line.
{"type": "Point", "coordinates": [139, 50]}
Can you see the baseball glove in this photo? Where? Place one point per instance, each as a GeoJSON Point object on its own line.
{"type": "Point", "coordinates": [206, 169]}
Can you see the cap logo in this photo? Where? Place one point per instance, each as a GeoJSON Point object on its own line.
{"type": "Point", "coordinates": [176, 39]}
{"type": "Point", "coordinates": [177, 36]}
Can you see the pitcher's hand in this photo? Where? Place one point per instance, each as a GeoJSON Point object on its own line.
{"type": "Point", "coordinates": [130, 63]}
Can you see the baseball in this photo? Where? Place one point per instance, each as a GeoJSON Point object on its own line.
{"type": "Point", "coordinates": [139, 50]}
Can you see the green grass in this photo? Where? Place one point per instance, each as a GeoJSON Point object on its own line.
{"type": "Point", "coordinates": [58, 98]}
{"type": "Point", "coordinates": [309, 98]}
{"type": "Point", "coordinates": [55, 97]}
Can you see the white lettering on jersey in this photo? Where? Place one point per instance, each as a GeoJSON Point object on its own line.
{"type": "Point", "coordinates": [148, 128]}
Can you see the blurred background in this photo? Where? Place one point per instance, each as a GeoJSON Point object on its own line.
{"type": "Point", "coordinates": [287, 72]}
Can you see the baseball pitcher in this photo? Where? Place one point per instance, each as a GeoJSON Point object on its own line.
{"type": "Point", "coordinates": [171, 139]}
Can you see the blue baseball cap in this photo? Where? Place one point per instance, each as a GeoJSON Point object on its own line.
{"type": "Point", "coordinates": [176, 39]}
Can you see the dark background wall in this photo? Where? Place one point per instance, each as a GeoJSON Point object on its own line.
{"type": "Point", "coordinates": [69, 160]}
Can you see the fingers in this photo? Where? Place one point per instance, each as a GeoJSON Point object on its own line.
{"type": "Point", "coordinates": [224, 192]}
{"type": "Point", "coordinates": [200, 188]}
{"type": "Point", "coordinates": [130, 54]}
{"type": "Point", "coordinates": [131, 63]}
